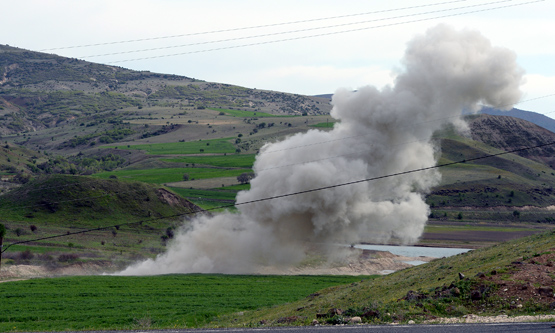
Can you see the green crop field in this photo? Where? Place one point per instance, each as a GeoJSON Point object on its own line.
{"type": "Point", "coordinates": [247, 114]}
{"type": "Point", "coordinates": [324, 125]}
{"type": "Point", "coordinates": [210, 194]}
{"type": "Point", "coordinates": [213, 146]}
{"type": "Point", "coordinates": [213, 206]}
{"type": "Point", "coordinates": [227, 161]}
{"type": "Point", "coordinates": [171, 175]}
{"type": "Point", "coordinates": [240, 187]}
{"type": "Point", "coordinates": [168, 301]}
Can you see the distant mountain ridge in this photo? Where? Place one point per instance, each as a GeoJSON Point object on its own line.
{"type": "Point", "coordinates": [533, 117]}
{"type": "Point", "coordinates": [511, 133]}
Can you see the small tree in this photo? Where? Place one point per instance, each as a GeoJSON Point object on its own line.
{"type": "Point", "coordinates": [169, 232]}
{"type": "Point", "coordinates": [245, 178]}
{"type": "Point", "coordinates": [185, 176]}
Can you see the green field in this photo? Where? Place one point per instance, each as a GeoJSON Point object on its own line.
{"type": "Point", "coordinates": [209, 194]}
{"type": "Point", "coordinates": [324, 125]}
{"type": "Point", "coordinates": [227, 161]}
{"type": "Point", "coordinates": [213, 146]}
{"type": "Point", "coordinates": [171, 175]}
{"type": "Point", "coordinates": [169, 301]}
{"type": "Point", "coordinates": [247, 114]}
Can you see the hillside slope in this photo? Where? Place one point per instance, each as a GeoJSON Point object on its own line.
{"type": "Point", "coordinates": [85, 201]}
{"type": "Point", "coordinates": [533, 117]}
{"type": "Point", "coordinates": [40, 90]}
{"type": "Point", "coordinates": [510, 133]}
{"type": "Point", "coordinates": [513, 278]}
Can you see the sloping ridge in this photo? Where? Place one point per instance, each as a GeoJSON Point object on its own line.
{"type": "Point", "coordinates": [509, 133]}
{"type": "Point", "coordinates": [67, 195]}
{"type": "Point", "coordinates": [533, 117]}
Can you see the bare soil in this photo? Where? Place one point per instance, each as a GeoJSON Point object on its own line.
{"type": "Point", "coordinates": [527, 281]}
{"type": "Point", "coordinates": [358, 262]}
{"type": "Point", "coordinates": [24, 272]}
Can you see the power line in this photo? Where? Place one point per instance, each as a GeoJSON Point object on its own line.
{"type": "Point", "coordinates": [292, 31]}
{"type": "Point", "coordinates": [291, 194]}
{"type": "Point", "coordinates": [395, 174]}
{"type": "Point", "coordinates": [117, 226]}
{"type": "Point", "coordinates": [251, 27]}
{"type": "Point", "coordinates": [319, 35]}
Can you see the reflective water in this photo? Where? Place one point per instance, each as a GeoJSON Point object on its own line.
{"type": "Point", "coordinates": [414, 251]}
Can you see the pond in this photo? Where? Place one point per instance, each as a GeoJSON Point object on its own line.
{"type": "Point", "coordinates": [414, 251]}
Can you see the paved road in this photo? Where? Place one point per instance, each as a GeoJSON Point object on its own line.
{"type": "Point", "coordinates": [452, 328]}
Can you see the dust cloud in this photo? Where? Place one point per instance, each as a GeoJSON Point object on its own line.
{"type": "Point", "coordinates": [379, 132]}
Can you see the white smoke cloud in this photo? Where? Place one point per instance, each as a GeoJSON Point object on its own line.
{"type": "Point", "coordinates": [380, 132]}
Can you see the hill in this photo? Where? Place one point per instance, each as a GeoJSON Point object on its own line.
{"type": "Point", "coordinates": [533, 117]}
{"type": "Point", "coordinates": [513, 278]}
{"type": "Point", "coordinates": [54, 198]}
{"type": "Point", "coordinates": [144, 216]}
{"type": "Point", "coordinates": [39, 91]}
{"type": "Point", "coordinates": [67, 116]}
{"type": "Point", "coordinates": [508, 188]}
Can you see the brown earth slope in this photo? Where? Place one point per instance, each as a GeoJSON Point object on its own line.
{"type": "Point", "coordinates": [509, 133]}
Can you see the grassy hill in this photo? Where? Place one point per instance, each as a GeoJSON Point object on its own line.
{"type": "Point", "coordinates": [512, 278]}
{"type": "Point", "coordinates": [507, 188]}
{"type": "Point", "coordinates": [63, 204]}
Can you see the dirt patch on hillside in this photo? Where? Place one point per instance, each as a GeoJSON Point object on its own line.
{"type": "Point", "coordinates": [529, 281]}
{"type": "Point", "coordinates": [23, 272]}
{"type": "Point", "coordinates": [358, 262]}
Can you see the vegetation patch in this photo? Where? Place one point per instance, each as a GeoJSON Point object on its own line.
{"type": "Point", "coordinates": [157, 302]}
{"type": "Point", "coordinates": [215, 194]}
{"type": "Point", "coordinates": [84, 201]}
{"type": "Point", "coordinates": [483, 282]}
{"type": "Point", "coordinates": [227, 161]}
{"type": "Point", "coordinates": [324, 125]}
{"type": "Point", "coordinates": [170, 175]}
{"type": "Point", "coordinates": [214, 146]}
{"type": "Point", "coordinates": [247, 114]}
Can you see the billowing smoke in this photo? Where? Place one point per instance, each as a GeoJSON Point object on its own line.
{"type": "Point", "coordinates": [380, 132]}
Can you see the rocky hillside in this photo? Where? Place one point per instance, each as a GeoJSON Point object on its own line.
{"type": "Point", "coordinates": [509, 133]}
{"type": "Point", "coordinates": [533, 117]}
{"type": "Point", "coordinates": [40, 90]}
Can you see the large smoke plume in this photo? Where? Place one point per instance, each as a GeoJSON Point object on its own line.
{"type": "Point", "coordinates": [380, 132]}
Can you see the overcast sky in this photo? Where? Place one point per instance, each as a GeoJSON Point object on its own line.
{"type": "Point", "coordinates": [347, 43]}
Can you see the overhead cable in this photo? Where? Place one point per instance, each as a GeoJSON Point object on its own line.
{"type": "Point", "coordinates": [320, 35]}
{"type": "Point", "coordinates": [249, 28]}
{"type": "Point", "coordinates": [290, 194]}
{"type": "Point", "coordinates": [291, 31]}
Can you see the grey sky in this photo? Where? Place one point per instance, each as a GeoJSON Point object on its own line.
{"type": "Point", "coordinates": [315, 65]}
